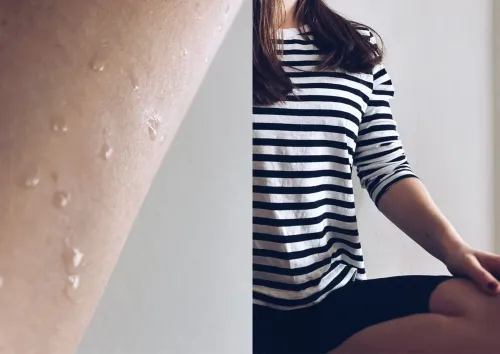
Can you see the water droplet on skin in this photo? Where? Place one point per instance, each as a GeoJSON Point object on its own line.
{"type": "Point", "coordinates": [73, 284]}
{"type": "Point", "coordinates": [134, 82]}
{"type": "Point", "coordinates": [152, 132]}
{"type": "Point", "coordinates": [74, 281]}
{"type": "Point", "coordinates": [1, 282]}
{"type": "Point", "coordinates": [77, 257]}
{"type": "Point", "coordinates": [61, 199]}
{"type": "Point", "coordinates": [106, 151]}
{"type": "Point", "coordinates": [59, 125]}
{"type": "Point", "coordinates": [100, 60]}
{"type": "Point", "coordinates": [206, 59]}
{"type": "Point", "coordinates": [98, 65]}
{"type": "Point", "coordinates": [153, 125]}
{"type": "Point", "coordinates": [226, 11]}
{"type": "Point", "coordinates": [185, 53]}
{"type": "Point", "coordinates": [219, 28]}
{"type": "Point", "coordinates": [32, 181]}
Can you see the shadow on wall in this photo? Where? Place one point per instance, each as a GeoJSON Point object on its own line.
{"type": "Point", "coordinates": [496, 121]}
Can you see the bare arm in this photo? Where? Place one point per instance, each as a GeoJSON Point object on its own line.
{"type": "Point", "coordinates": [410, 207]}
{"type": "Point", "coordinates": [91, 95]}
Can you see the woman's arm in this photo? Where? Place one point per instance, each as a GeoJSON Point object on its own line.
{"type": "Point", "coordinates": [410, 207]}
{"type": "Point", "coordinates": [385, 172]}
{"type": "Point", "coordinates": [91, 95]}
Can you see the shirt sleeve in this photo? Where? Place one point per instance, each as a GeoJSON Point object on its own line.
{"type": "Point", "coordinates": [379, 156]}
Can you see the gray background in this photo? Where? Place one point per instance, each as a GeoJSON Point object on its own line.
{"type": "Point", "coordinates": [183, 283]}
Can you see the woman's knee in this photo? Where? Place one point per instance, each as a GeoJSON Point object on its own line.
{"type": "Point", "coordinates": [462, 298]}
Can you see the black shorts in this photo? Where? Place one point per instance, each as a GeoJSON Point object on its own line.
{"type": "Point", "coordinates": [323, 327]}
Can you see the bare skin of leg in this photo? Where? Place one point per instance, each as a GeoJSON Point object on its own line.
{"type": "Point", "coordinates": [91, 95]}
{"type": "Point", "coordinates": [463, 320]}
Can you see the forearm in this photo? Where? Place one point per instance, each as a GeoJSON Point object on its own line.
{"type": "Point", "coordinates": [91, 95]}
{"type": "Point", "coordinates": [410, 207]}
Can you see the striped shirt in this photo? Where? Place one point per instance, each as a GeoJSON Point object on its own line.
{"type": "Point", "coordinates": [305, 235]}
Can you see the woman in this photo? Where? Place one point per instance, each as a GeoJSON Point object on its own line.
{"type": "Point", "coordinates": [321, 107]}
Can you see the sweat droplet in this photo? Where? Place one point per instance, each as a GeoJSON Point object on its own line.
{"type": "Point", "coordinates": [77, 257]}
{"type": "Point", "coordinates": [134, 82]}
{"type": "Point", "coordinates": [226, 11]}
{"type": "Point", "coordinates": [185, 52]}
{"type": "Point", "coordinates": [100, 60]}
{"type": "Point", "coordinates": [152, 132]}
{"type": "Point", "coordinates": [98, 65]}
{"type": "Point", "coordinates": [61, 199]}
{"type": "Point", "coordinates": [32, 181]}
{"type": "Point", "coordinates": [59, 125]}
{"type": "Point", "coordinates": [1, 282]}
{"type": "Point", "coordinates": [153, 125]}
{"type": "Point", "coordinates": [74, 281]}
{"type": "Point", "coordinates": [106, 151]}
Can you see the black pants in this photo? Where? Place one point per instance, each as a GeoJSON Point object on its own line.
{"type": "Point", "coordinates": [323, 327]}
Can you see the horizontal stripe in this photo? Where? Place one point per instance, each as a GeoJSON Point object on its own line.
{"type": "Point", "coordinates": [303, 222]}
{"type": "Point", "coordinates": [303, 143]}
{"type": "Point", "coordinates": [303, 206]}
{"type": "Point", "coordinates": [304, 253]}
{"type": "Point", "coordinates": [327, 85]}
{"type": "Point", "coordinates": [297, 63]}
{"type": "Point", "coordinates": [301, 52]}
{"type": "Point", "coordinates": [301, 174]}
{"type": "Point", "coordinates": [302, 190]}
{"type": "Point", "coordinates": [330, 74]}
{"type": "Point", "coordinates": [322, 98]}
{"type": "Point", "coordinates": [301, 286]}
{"type": "Point", "coordinates": [298, 41]}
{"type": "Point", "coordinates": [306, 270]}
{"type": "Point", "coordinates": [304, 301]}
{"type": "Point", "coordinates": [307, 237]}
{"type": "Point", "coordinates": [305, 128]}
{"type": "Point", "coordinates": [300, 158]}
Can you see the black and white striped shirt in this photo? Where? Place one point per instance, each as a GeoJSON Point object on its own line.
{"type": "Point", "coordinates": [305, 235]}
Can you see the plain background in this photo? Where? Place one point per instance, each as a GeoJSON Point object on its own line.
{"type": "Point", "coordinates": [183, 283]}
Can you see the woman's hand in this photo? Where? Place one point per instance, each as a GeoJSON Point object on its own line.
{"type": "Point", "coordinates": [481, 267]}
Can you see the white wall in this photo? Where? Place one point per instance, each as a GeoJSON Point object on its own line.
{"type": "Point", "coordinates": [496, 59]}
{"type": "Point", "coordinates": [183, 283]}
{"type": "Point", "coordinates": [439, 55]}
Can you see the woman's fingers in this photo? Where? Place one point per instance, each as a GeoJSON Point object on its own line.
{"type": "Point", "coordinates": [481, 275]}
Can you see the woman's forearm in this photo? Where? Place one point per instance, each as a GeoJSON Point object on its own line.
{"type": "Point", "coordinates": [410, 207]}
{"type": "Point", "coordinates": [91, 95]}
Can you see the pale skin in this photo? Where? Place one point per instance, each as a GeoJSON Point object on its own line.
{"type": "Point", "coordinates": [465, 314]}
{"type": "Point", "coordinates": [91, 95]}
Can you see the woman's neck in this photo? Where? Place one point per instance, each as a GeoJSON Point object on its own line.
{"type": "Point", "coordinates": [290, 18]}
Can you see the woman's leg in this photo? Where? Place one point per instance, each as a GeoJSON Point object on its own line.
{"type": "Point", "coordinates": [462, 320]}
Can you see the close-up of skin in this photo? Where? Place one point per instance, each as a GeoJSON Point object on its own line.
{"type": "Point", "coordinates": [91, 95]}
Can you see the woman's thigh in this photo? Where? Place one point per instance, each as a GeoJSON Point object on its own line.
{"type": "Point", "coordinates": [342, 314]}
{"type": "Point", "coordinates": [461, 319]}
{"type": "Point", "coordinates": [462, 298]}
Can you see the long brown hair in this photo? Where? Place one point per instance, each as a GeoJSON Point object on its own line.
{"type": "Point", "coordinates": [339, 41]}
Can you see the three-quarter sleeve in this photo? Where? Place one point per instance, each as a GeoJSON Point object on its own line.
{"type": "Point", "coordinates": [379, 156]}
